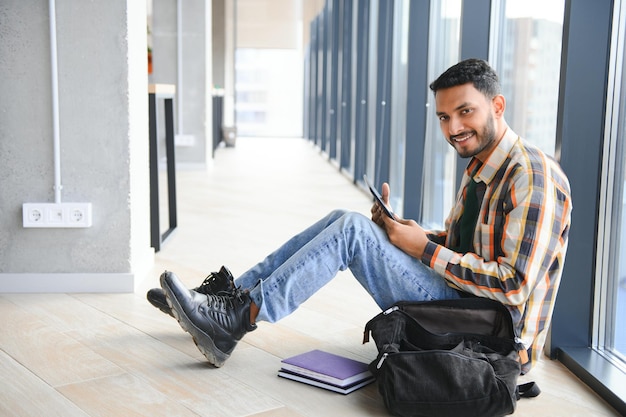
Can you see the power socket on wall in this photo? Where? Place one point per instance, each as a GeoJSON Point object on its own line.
{"type": "Point", "coordinates": [56, 215]}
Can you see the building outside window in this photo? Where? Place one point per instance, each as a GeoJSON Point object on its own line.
{"type": "Point", "coordinates": [528, 61]}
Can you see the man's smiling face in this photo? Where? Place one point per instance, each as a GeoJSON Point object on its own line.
{"type": "Point", "coordinates": [468, 119]}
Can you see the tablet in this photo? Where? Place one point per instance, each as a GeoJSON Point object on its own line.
{"type": "Point", "coordinates": [378, 198]}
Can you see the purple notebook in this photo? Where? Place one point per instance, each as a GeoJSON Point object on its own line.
{"type": "Point", "coordinates": [328, 367]}
{"type": "Point", "coordinates": [344, 389]}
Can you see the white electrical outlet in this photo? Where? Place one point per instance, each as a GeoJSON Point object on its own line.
{"type": "Point", "coordinates": [33, 215]}
{"type": "Point", "coordinates": [72, 215]}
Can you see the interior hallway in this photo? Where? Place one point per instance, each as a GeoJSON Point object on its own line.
{"type": "Point", "coordinates": [114, 354]}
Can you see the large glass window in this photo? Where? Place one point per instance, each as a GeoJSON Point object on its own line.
{"type": "Point", "coordinates": [440, 157]}
{"type": "Point", "coordinates": [398, 103]}
{"type": "Point", "coordinates": [528, 61]}
{"type": "Point", "coordinates": [379, 108]}
{"type": "Point", "coordinates": [269, 93]}
{"type": "Point", "coordinates": [610, 317]}
{"type": "Point", "coordinates": [372, 99]}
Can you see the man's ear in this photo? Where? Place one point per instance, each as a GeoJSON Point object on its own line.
{"type": "Point", "coordinates": [499, 104]}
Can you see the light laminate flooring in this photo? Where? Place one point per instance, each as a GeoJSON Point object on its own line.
{"type": "Point", "coordinates": [103, 355]}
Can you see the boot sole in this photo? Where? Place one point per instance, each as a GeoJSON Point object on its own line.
{"type": "Point", "coordinates": [202, 341]}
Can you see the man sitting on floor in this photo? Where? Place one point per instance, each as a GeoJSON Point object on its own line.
{"type": "Point", "coordinates": [505, 238]}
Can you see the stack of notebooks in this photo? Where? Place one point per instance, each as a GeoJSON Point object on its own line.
{"type": "Point", "coordinates": [326, 370]}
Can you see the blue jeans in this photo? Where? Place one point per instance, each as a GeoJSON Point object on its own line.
{"type": "Point", "coordinates": [309, 260]}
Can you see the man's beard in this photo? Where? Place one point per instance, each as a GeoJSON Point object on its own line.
{"type": "Point", "coordinates": [485, 139]}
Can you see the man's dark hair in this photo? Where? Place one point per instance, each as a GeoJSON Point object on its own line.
{"type": "Point", "coordinates": [475, 71]}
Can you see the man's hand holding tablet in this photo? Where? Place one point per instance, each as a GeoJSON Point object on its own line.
{"type": "Point", "coordinates": [378, 198]}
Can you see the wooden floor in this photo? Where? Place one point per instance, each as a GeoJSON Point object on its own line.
{"type": "Point", "coordinates": [115, 355]}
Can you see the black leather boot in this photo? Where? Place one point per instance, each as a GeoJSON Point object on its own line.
{"type": "Point", "coordinates": [218, 283]}
{"type": "Point", "coordinates": [216, 322]}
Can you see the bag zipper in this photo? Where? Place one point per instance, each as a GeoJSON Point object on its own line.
{"type": "Point", "coordinates": [382, 359]}
{"type": "Point", "coordinates": [366, 332]}
{"type": "Point", "coordinates": [391, 310]}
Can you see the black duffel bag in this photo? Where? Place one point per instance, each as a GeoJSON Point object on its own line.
{"type": "Point", "coordinates": [447, 358]}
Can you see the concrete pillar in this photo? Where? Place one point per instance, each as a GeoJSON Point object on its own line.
{"type": "Point", "coordinates": [103, 119]}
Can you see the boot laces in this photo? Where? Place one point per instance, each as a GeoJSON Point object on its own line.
{"type": "Point", "coordinates": [208, 284]}
{"type": "Point", "coordinates": [226, 302]}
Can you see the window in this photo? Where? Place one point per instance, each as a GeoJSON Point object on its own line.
{"type": "Point", "coordinates": [528, 60]}
{"type": "Point", "coordinates": [610, 309]}
{"type": "Point", "coordinates": [269, 96]}
{"type": "Point", "coordinates": [372, 99]}
{"type": "Point", "coordinates": [398, 104]}
{"type": "Point", "coordinates": [440, 157]}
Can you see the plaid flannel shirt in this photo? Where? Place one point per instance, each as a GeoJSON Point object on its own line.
{"type": "Point", "coordinates": [520, 238]}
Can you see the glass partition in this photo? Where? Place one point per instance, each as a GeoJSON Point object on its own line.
{"type": "Point", "coordinates": [439, 156]}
